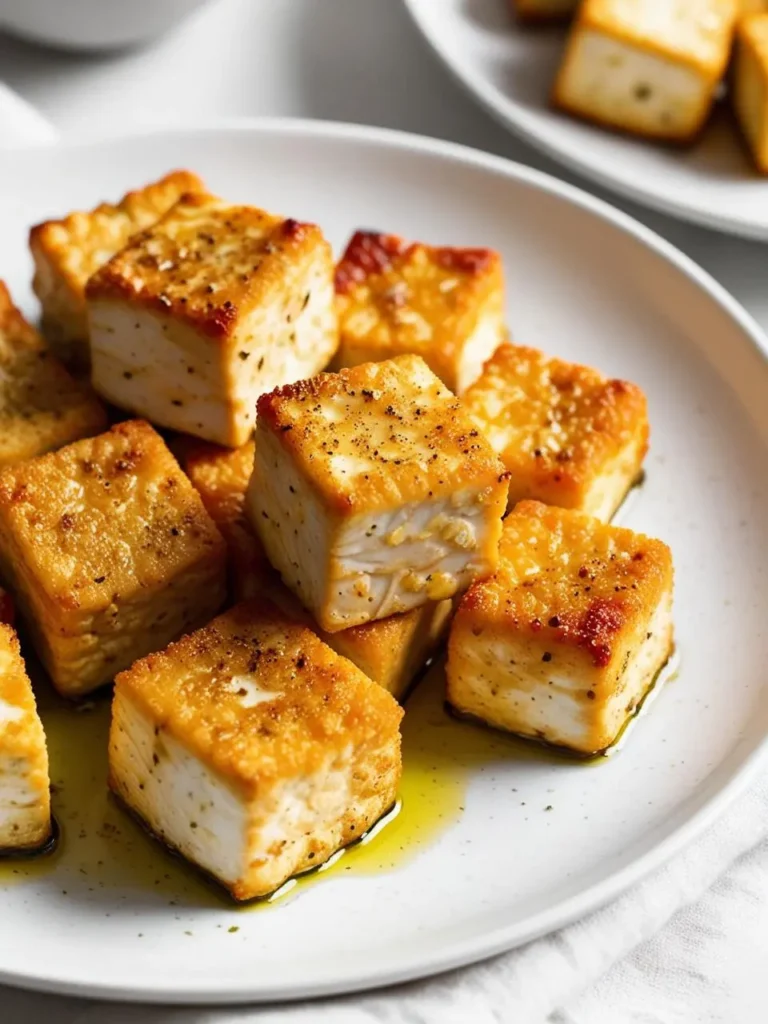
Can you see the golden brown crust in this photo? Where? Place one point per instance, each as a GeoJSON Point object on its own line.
{"type": "Point", "coordinates": [207, 263]}
{"type": "Point", "coordinates": [566, 577]}
{"type": "Point", "coordinates": [323, 703]}
{"type": "Point", "coordinates": [104, 518]}
{"type": "Point", "coordinates": [555, 425]}
{"type": "Point", "coordinates": [380, 434]}
{"type": "Point", "coordinates": [41, 405]}
{"type": "Point", "coordinates": [19, 737]}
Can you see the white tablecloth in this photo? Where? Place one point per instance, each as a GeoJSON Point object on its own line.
{"type": "Point", "coordinates": [690, 944]}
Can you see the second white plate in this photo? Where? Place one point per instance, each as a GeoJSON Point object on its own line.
{"type": "Point", "coordinates": [510, 69]}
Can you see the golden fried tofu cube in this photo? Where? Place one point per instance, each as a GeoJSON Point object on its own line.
{"type": "Point", "coordinates": [109, 552]}
{"type": "Point", "coordinates": [390, 651]}
{"type": "Point", "coordinates": [373, 492]}
{"type": "Point", "coordinates": [645, 66]}
{"type": "Point", "coordinates": [212, 306]}
{"type": "Point", "coordinates": [41, 405]}
{"type": "Point", "coordinates": [253, 749]}
{"type": "Point", "coordinates": [68, 251]}
{"type": "Point", "coordinates": [567, 435]}
{"type": "Point", "coordinates": [750, 86]}
{"type": "Point", "coordinates": [443, 304]}
{"type": "Point", "coordinates": [25, 804]}
{"type": "Point", "coordinates": [544, 10]}
{"type": "Point", "coordinates": [752, 7]}
{"type": "Point", "coordinates": [568, 636]}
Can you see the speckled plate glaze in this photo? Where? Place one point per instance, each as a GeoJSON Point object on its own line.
{"type": "Point", "coordinates": [513, 844]}
{"type": "Point", "coordinates": [510, 68]}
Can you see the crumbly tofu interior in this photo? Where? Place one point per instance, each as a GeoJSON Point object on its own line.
{"type": "Point", "coordinates": [563, 642]}
{"type": "Point", "coordinates": [41, 406]}
{"type": "Point", "coordinates": [567, 435]}
{"type": "Point", "coordinates": [25, 811]}
{"type": "Point", "coordinates": [373, 493]}
{"type": "Point", "coordinates": [645, 66]}
{"type": "Point", "coordinates": [750, 86]}
{"type": "Point", "coordinates": [443, 304]}
{"type": "Point", "coordinates": [253, 749]}
{"type": "Point", "coordinates": [110, 553]}
{"type": "Point", "coordinates": [68, 251]}
{"type": "Point", "coordinates": [203, 313]}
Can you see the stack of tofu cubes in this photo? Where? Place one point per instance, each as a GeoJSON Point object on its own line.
{"type": "Point", "coordinates": [655, 67]}
{"type": "Point", "coordinates": [346, 520]}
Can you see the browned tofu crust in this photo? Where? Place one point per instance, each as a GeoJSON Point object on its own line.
{"type": "Point", "coordinates": [323, 701]}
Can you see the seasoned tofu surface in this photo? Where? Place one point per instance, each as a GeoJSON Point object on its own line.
{"type": "Point", "coordinates": [25, 812]}
{"type": "Point", "coordinates": [396, 297]}
{"type": "Point", "coordinates": [109, 550]}
{"type": "Point", "coordinates": [373, 493]}
{"type": "Point", "coordinates": [567, 435]}
{"type": "Point", "coordinates": [646, 67]}
{"type": "Point", "coordinates": [210, 307]}
{"type": "Point", "coordinates": [68, 251]}
{"type": "Point", "coordinates": [253, 749]}
{"type": "Point", "coordinates": [564, 640]}
{"type": "Point", "coordinates": [750, 86]}
{"type": "Point", "coordinates": [41, 405]}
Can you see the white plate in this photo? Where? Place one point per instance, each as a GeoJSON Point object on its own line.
{"type": "Point", "coordinates": [587, 283]}
{"type": "Point", "coordinates": [510, 69]}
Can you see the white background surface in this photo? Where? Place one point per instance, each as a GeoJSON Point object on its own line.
{"type": "Point", "coordinates": [355, 60]}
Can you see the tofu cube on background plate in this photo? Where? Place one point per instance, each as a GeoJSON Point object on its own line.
{"type": "Point", "coordinates": [544, 10]}
{"type": "Point", "coordinates": [253, 749]}
{"type": "Point", "coordinates": [203, 312]}
{"type": "Point", "coordinates": [750, 86]}
{"type": "Point", "coordinates": [373, 492]}
{"type": "Point", "coordinates": [396, 298]}
{"type": "Point", "coordinates": [25, 803]}
{"type": "Point", "coordinates": [109, 552]}
{"type": "Point", "coordinates": [564, 641]}
{"type": "Point", "coordinates": [567, 435]}
{"type": "Point", "coordinates": [67, 252]}
{"type": "Point", "coordinates": [646, 66]}
{"type": "Point", "coordinates": [390, 651]}
{"type": "Point", "coordinates": [41, 405]}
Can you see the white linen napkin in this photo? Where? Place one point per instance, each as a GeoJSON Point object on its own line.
{"type": "Point", "coordinates": [686, 945]}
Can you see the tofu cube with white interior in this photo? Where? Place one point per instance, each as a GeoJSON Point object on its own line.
{"type": "Point", "coordinates": [68, 251]}
{"type": "Point", "coordinates": [25, 804]}
{"type": "Point", "coordinates": [544, 10]}
{"type": "Point", "coordinates": [200, 314]}
{"type": "Point", "coordinates": [564, 641]}
{"type": "Point", "coordinates": [750, 86]}
{"type": "Point", "coordinates": [373, 492]}
{"type": "Point", "coordinates": [109, 553]}
{"type": "Point", "coordinates": [252, 749]}
{"type": "Point", "coordinates": [390, 651]}
{"type": "Point", "coordinates": [647, 66]}
{"type": "Point", "coordinates": [41, 405]}
{"type": "Point", "coordinates": [396, 297]}
{"type": "Point", "coordinates": [567, 435]}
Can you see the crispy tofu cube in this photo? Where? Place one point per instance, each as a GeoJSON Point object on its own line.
{"type": "Point", "coordinates": [752, 6]}
{"type": "Point", "coordinates": [212, 306]}
{"type": "Point", "coordinates": [646, 66]}
{"type": "Point", "coordinates": [373, 493]}
{"type": "Point", "coordinates": [750, 86]}
{"type": "Point", "coordinates": [253, 749]}
{"type": "Point", "coordinates": [544, 10]}
{"type": "Point", "coordinates": [41, 405]}
{"type": "Point", "coordinates": [109, 552]}
{"type": "Point", "coordinates": [67, 252]}
{"type": "Point", "coordinates": [25, 805]}
{"type": "Point", "coordinates": [390, 651]}
{"type": "Point", "coordinates": [443, 304]}
{"type": "Point", "coordinates": [566, 639]}
{"type": "Point", "coordinates": [567, 435]}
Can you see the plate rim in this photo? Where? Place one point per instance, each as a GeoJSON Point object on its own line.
{"type": "Point", "coordinates": [472, 950]}
{"type": "Point", "coordinates": [523, 126]}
